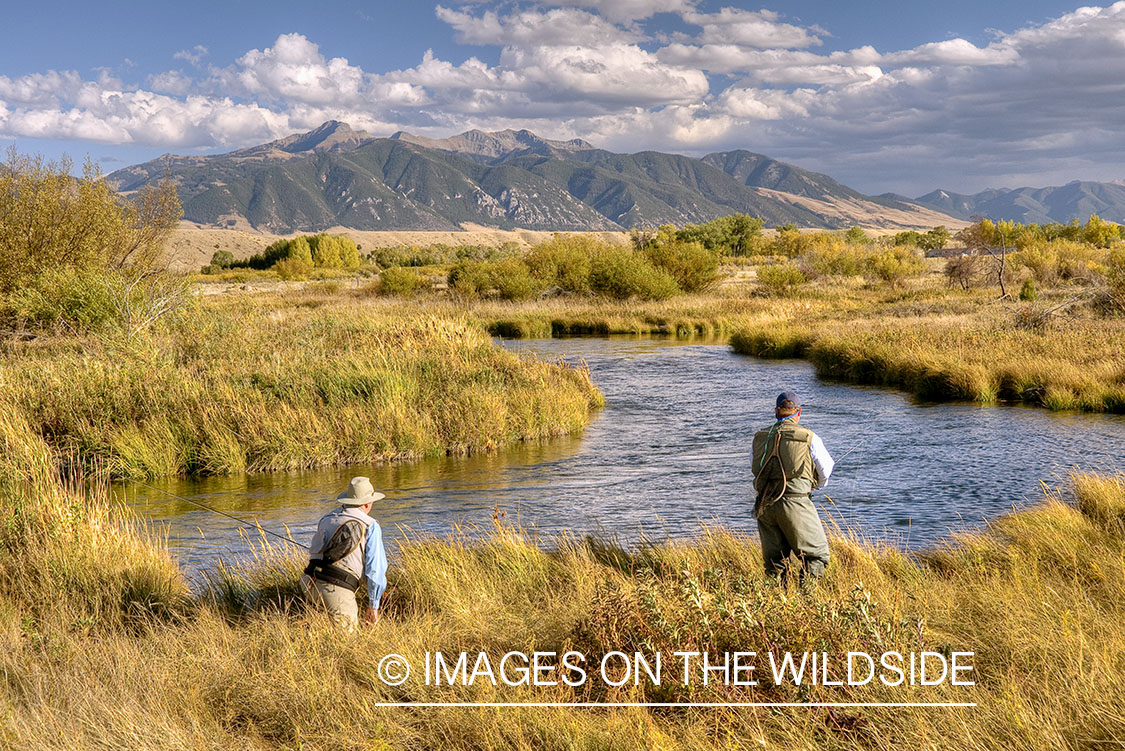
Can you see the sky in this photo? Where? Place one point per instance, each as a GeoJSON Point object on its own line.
{"type": "Point", "coordinates": [883, 96]}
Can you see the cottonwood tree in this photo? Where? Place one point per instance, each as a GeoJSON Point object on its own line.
{"type": "Point", "coordinates": [59, 231]}
{"type": "Point", "coordinates": [986, 238]}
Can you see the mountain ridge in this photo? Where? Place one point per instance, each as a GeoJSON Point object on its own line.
{"type": "Point", "coordinates": [334, 176]}
{"type": "Point", "coordinates": [1077, 199]}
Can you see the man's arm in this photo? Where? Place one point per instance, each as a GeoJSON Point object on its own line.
{"type": "Point", "coordinates": [822, 460]}
{"type": "Point", "coordinates": [375, 566]}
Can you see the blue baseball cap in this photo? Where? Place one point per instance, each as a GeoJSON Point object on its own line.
{"type": "Point", "coordinates": [787, 396]}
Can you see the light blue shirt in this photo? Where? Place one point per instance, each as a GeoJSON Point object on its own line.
{"type": "Point", "coordinates": [375, 564]}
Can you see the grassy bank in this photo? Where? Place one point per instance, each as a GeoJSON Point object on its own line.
{"type": "Point", "coordinates": [253, 384]}
{"type": "Point", "coordinates": [980, 357]}
{"type": "Point", "coordinates": [119, 655]}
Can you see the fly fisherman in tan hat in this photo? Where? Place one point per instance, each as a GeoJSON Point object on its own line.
{"type": "Point", "coordinates": [789, 462]}
{"type": "Point", "coordinates": [347, 546]}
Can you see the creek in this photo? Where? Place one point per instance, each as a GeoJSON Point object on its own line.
{"type": "Point", "coordinates": [670, 452]}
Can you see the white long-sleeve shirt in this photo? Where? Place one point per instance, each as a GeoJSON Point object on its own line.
{"type": "Point", "coordinates": [823, 462]}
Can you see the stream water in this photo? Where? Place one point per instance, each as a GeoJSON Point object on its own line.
{"type": "Point", "coordinates": [670, 452]}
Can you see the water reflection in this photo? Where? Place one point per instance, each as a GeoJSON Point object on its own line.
{"type": "Point", "coordinates": [671, 451]}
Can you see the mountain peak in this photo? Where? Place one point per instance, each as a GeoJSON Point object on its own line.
{"type": "Point", "coordinates": [332, 135]}
{"type": "Point", "coordinates": [493, 144]}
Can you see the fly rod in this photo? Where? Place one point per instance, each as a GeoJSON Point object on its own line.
{"type": "Point", "coordinates": [222, 513]}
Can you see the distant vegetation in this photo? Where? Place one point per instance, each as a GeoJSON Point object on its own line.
{"type": "Point", "coordinates": [1086, 258]}
{"type": "Point", "coordinates": [659, 268]}
{"type": "Point", "coordinates": [295, 258]}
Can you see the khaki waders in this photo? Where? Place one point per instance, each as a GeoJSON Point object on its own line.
{"type": "Point", "coordinates": [338, 601]}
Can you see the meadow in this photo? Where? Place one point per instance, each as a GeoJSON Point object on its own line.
{"type": "Point", "coordinates": [254, 385]}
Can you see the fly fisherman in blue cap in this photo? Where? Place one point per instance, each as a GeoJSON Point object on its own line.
{"type": "Point", "coordinates": [789, 462]}
{"type": "Point", "coordinates": [346, 549]}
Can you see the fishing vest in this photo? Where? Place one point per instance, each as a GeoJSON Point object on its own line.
{"type": "Point", "coordinates": [783, 464]}
{"type": "Point", "coordinates": [336, 551]}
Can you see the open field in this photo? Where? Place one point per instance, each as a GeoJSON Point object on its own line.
{"type": "Point", "coordinates": [110, 369]}
{"type": "Point", "coordinates": [938, 342]}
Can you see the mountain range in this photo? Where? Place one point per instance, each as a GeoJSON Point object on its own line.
{"type": "Point", "coordinates": [335, 176]}
{"type": "Point", "coordinates": [1075, 200]}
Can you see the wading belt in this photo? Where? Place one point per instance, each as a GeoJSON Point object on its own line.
{"type": "Point", "coordinates": [330, 574]}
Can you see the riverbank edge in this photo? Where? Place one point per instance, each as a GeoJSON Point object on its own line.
{"type": "Point", "coordinates": [876, 362]}
{"type": "Point", "coordinates": [256, 388]}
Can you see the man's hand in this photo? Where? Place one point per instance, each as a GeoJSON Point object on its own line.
{"type": "Point", "coordinates": [371, 616]}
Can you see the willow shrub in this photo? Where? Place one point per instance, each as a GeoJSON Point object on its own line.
{"type": "Point", "coordinates": [399, 281]}
{"type": "Point", "coordinates": [781, 279]}
{"type": "Point", "coordinates": [694, 267]}
{"type": "Point", "coordinates": [564, 261]}
{"type": "Point", "coordinates": [1051, 261]}
{"type": "Point", "coordinates": [623, 273]}
{"type": "Point", "coordinates": [507, 279]}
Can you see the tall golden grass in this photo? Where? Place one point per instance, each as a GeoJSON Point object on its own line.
{"type": "Point", "coordinates": [104, 647]}
{"type": "Point", "coordinates": [1078, 365]}
{"type": "Point", "coordinates": [247, 387]}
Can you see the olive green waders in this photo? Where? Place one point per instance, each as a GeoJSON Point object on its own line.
{"type": "Point", "coordinates": [784, 475]}
{"type": "Point", "coordinates": [791, 525]}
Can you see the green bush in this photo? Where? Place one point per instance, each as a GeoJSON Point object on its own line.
{"type": "Point", "coordinates": [321, 251]}
{"type": "Point", "coordinates": [1027, 291]}
{"type": "Point", "coordinates": [736, 235]}
{"type": "Point", "coordinates": [832, 256]}
{"type": "Point", "coordinates": [222, 259]}
{"type": "Point", "coordinates": [294, 268]}
{"type": "Point", "coordinates": [402, 255]}
{"type": "Point", "coordinates": [781, 279]}
{"type": "Point", "coordinates": [77, 300]}
{"type": "Point", "coordinates": [399, 281]}
{"type": "Point", "coordinates": [512, 280]}
{"type": "Point", "coordinates": [1053, 260]}
{"type": "Point", "coordinates": [694, 267]}
{"type": "Point", "coordinates": [893, 265]}
{"type": "Point", "coordinates": [325, 251]}
{"type": "Point", "coordinates": [564, 261]}
{"type": "Point", "coordinates": [508, 279]}
{"type": "Point", "coordinates": [470, 279]}
{"type": "Point", "coordinates": [623, 273]}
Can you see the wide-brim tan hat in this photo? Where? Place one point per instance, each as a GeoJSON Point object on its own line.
{"type": "Point", "coordinates": [360, 492]}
